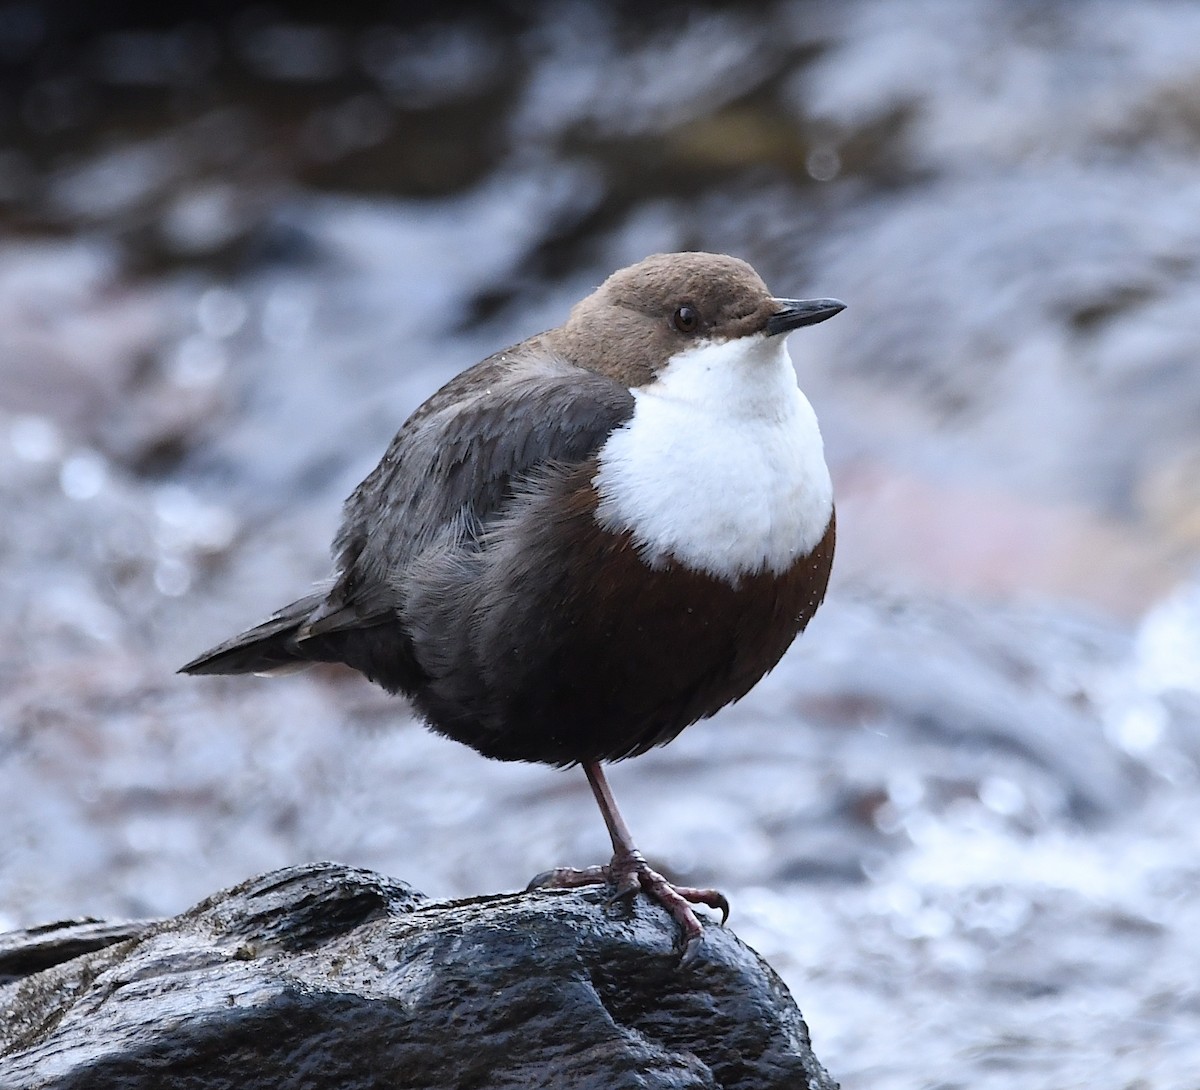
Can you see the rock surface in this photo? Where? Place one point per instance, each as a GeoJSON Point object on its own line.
{"type": "Point", "coordinates": [331, 976]}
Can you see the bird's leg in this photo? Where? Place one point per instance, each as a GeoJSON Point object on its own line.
{"type": "Point", "coordinates": [628, 872]}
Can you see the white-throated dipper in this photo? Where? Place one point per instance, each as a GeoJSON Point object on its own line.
{"type": "Point", "coordinates": [588, 541]}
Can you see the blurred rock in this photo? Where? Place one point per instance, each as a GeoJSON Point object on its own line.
{"type": "Point", "coordinates": [80, 347]}
{"type": "Point", "coordinates": [326, 976]}
{"type": "Point", "coordinates": [968, 79]}
{"type": "Point", "coordinates": [1169, 498]}
{"type": "Point", "coordinates": [935, 534]}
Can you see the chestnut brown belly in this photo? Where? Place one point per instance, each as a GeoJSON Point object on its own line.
{"type": "Point", "coordinates": [604, 657]}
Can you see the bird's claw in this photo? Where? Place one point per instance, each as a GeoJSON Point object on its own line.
{"type": "Point", "coordinates": [691, 952]}
{"type": "Point", "coordinates": [627, 874]}
{"type": "Point", "coordinates": [568, 878]}
{"type": "Point", "coordinates": [713, 898]}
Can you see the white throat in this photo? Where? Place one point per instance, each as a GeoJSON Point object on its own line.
{"type": "Point", "coordinates": [721, 468]}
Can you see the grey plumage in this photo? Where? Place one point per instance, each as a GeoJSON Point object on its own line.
{"type": "Point", "coordinates": [456, 464]}
{"type": "Point", "coordinates": [471, 572]}
{"type": "Point", "coordinates": [408, 554]}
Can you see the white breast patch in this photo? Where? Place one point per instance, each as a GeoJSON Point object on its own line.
{"type": "Point", "coordinates": [721, 467]}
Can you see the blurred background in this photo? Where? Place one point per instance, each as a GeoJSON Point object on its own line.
{"type": "Point", "coordinates": [241, 243]}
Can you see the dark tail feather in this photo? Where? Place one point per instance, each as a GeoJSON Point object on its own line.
{"type": "Point", "coordinates": [266, 648]}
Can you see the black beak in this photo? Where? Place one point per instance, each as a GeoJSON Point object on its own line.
{"type": "Point", "coordinates": [793, 313]}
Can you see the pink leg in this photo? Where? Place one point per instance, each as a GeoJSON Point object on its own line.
{"type": "Point", "coordinates": [628, 872]}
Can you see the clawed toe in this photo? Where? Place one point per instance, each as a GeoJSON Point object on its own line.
{"type": "Point", "coordinates": [691, 952]}
{"type": "Point", "coordinates": [712, 898]}
{"type": "Point", "coordinates": [568, 878]}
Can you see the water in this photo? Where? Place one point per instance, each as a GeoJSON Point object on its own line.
{"type": "Point", "coordinates": [960, 817]}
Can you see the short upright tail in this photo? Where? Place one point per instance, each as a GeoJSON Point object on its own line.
{"type": "Point", "coordinates": [267, 648]}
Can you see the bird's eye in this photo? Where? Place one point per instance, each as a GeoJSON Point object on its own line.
{"type": "Point", "coordinates": [686, 319]}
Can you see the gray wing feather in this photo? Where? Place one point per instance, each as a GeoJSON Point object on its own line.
{"type": "Point", "coordinates": [454, 466]}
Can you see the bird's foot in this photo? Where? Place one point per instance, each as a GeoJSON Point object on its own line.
{"type": "Point", "coordinates": [629, 872]}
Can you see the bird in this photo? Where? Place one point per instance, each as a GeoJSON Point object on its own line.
{"type": "Point", "coordinates": [588, 541]}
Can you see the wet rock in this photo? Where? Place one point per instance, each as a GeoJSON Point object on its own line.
{"type": "Point", "coordinates": [325, 975]}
